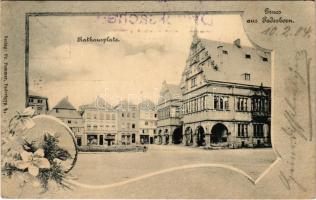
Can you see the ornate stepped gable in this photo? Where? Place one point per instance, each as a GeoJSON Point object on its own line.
{"type": "Point", "coordinates": [227, 62]}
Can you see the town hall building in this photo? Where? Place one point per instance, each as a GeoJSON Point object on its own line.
{"type": "Point", "coordinates": [226, 92]}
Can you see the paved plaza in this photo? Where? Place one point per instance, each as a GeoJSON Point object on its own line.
{"type": "Point", "coordinates": [100, 170]}
{"type": "Point", "coordinates": [105, 168]}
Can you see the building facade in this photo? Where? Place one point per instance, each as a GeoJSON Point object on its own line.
{"type": "Point", "coordinates": [38, 102]}
{"type": "Point", "coordinates": [226, 91]}
{"type": "Point", "coordinates": [169, 125]}
{"type": "Point", "coordinates": [127, 123]}
{"type": "Point", "coordinates": [100, 123]}
{"type": "Point", "coordinates": [68, 114]}
{"type": "Point", "coordinates": [147, 122]}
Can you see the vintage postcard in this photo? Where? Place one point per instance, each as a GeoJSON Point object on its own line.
{"type": "Point", "coordinates": [158, 99]}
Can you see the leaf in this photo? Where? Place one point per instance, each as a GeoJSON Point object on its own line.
{"type": "Point", "coordinates": [27, 122]}
{"type": "Point", "coordinates": [29, 111]}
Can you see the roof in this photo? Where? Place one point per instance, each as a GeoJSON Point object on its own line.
{"type": "Point", "coordinates": [64, 104]}
{"type": "Point", "coordinates": [147, 105]}
{"type": "Point", "coordinates": [125, 105]}
{"type": "Point", "coordinates": [233, 66]}
{"type": "Point", "coordinates": [98, 103]}
{"type": "Point", "coordinates": [35, 94]}
{"type": "Point", "coordinates": [70, 114]}
{"type": "Point", "coordinates": [169, 92]}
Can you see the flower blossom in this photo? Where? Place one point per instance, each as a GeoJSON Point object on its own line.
{"type": "Point", "coordinates": [33, 162]}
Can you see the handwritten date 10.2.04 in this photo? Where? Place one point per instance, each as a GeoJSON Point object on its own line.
{"type": "Point", "coordinates": [287, 31]}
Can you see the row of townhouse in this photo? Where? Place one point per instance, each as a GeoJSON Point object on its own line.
{"type": "Point", "coordinates": [99, 123]}
{"type": "Point", "coordinates": [224, 98]}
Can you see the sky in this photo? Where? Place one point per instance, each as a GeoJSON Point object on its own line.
{"type": "Point", "coordinates": [151, 49]}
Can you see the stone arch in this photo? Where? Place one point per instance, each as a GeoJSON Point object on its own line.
{"type": "Point", "coordinates": [200, 136]}
{"type": "Point", "coordinates": [188, 136]}
{"type": "Point", "coordinates": [219, 133]}
{"type": "Point", "coordinates": [177, 135]}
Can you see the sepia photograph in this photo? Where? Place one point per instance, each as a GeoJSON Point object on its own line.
{"type": "Point", "coordinates": [160, 105]}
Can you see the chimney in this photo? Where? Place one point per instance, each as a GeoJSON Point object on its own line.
{"type": "Point", "coordinates": [237, 43]}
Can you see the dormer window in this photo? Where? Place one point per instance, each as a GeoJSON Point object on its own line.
{"type": "Point", "coordinates": [247, 76]}
{"type": "Point", "coordinates": [247, 56]}
{"type": "Point", "coordinates": [264, 59]}
{"type": "Point", "coordinates": [225, 52]}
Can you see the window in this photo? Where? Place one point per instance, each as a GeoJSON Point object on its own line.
{"type": "Point", "coordinates": [30, 100]}
{"type": "Point", "coordinates": [94, 116]}
{"type": "Point", "coordinates": [247, 76]}
{"type": "Point", "coordinates": [107, 116]}
{"type": "Point", "coordinates": [128, 115]}
{"type": "Point", "coordinates": [226, 103]}
{"type": "Point", "coordinates": [193, 82]}
{"type": "Point", "coordinates": [264, 59]}
{"type": "Point", "coordinates": [225, 52]}
{"type": "Point", "coordinates": [133, 125]}
{"type": "Point", "coordinates": [113, 116]}
{"type": "Point", "coordinates": [95, 127]}
{"type": "Point", "coordinates": [88, 116]}
{"type": "Point", "coordinates": [242, 130]}
{"type": "Point", "coordinates": [57, 111]}
{"type": "Point", "coordinates": [242, 104]}
{"type": "Point", "coordinates": [122, 114]}
{"type": "Point", "coordinates": [155, 115]}
{"type": "Point", "coordinates": [146, 123]}
{"type": "Point", "coordinates": [40, 101]}
{"type": "Point", "coordinates": [69, 121]}
{"type": "Point", "coordinates": [247, 56]}
{"type": "Point", "coordinates": [258, 130]}
{"type": "Point", "coordinates": [221, 102]}
{"type": "Point", "coordinates": [127, 125]}
{"type": "Point", "coordinates": [101, 116]}
{"type": "Point", "coordinates": [133, 115]}
{"type": "Point", "coordinates": [39, 108]}
{"type": "Point", "coordinates": [88, 126]}
{"type": "Point", "coordinates": [216, 99]}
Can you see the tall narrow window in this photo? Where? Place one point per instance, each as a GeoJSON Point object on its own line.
{"type": "Point", "coordinates": [216, 102]}
{"type": "Point", "coordinates": [226, 102]}
{"type": "Point", "coordinates": [221, 105]}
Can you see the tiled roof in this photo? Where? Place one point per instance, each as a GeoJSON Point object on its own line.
{"type": "Point", "coordinates": [124, 104]}
{"type": "Point", "coordinates": [64, 104]}
{"type": "Point", "coordinates": [233, 66]}
{"type": "Point", "coordinates": [98, 103]}
{"type": "Point", "coordinates": [147, 105]}
{"type": "Point", "coordinates": [35, 94]}
{"type": "Point", "coordinates": [70, 114]}
{"type": "Point", "coordinates": [169, 92]}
